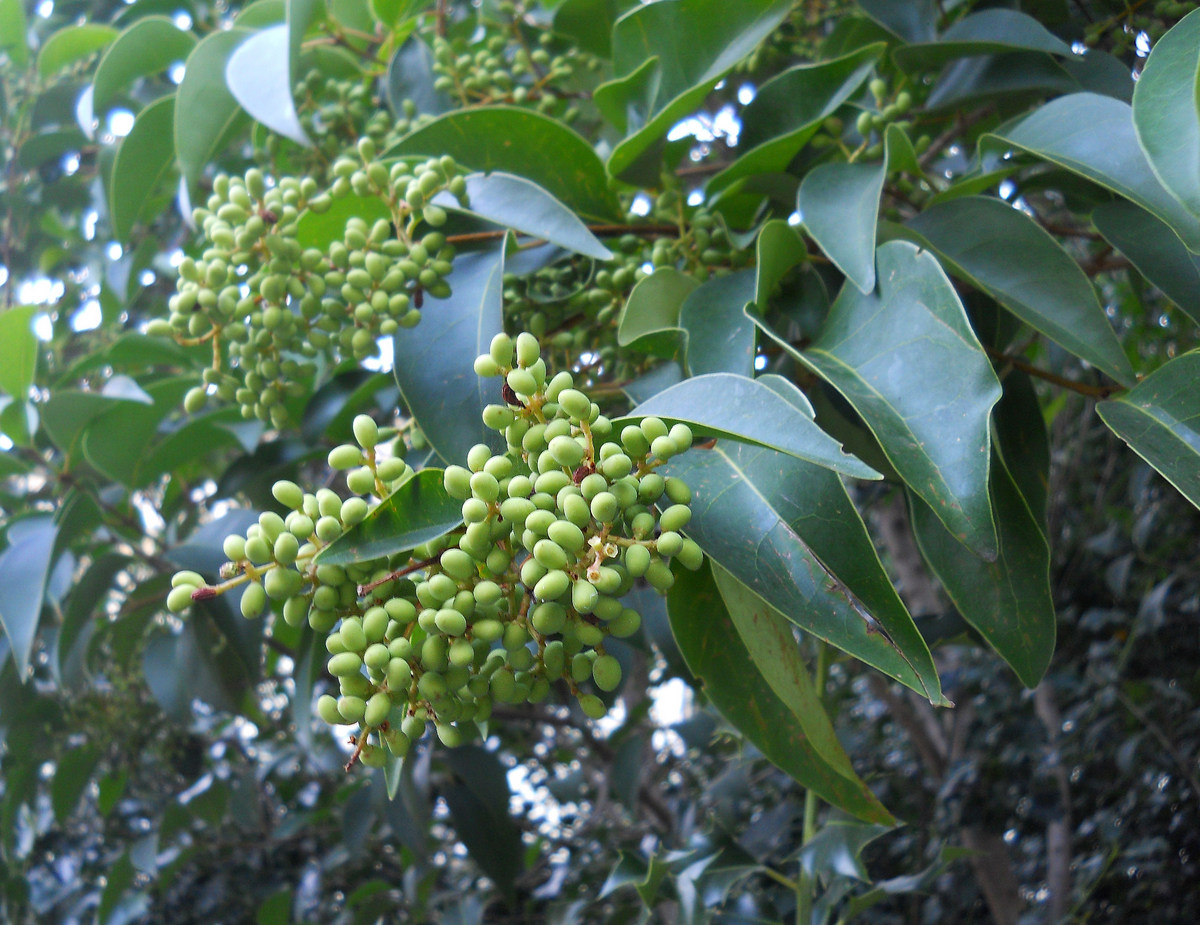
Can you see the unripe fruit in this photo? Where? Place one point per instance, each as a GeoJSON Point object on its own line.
{"type": "Point", "coordinates": [254, 599]}
{"type": "Point", "coordinates": [584, 596]}
{"type": "Point", "coordinates": [637, 560]}
{"type": "Point", "coordinates": [399, 674]}
{"type": "Point", "coordinates": [574, 403]}
{"type": "Point", "coordinates": [501, 350]}
{"type": "Point", "coordinates": [675, 517]}
{"type": "Point", "coordinates": [378, 708]}
{"type": "Point", "coordinates": [606, 672]}
{"type": "Point", "coordinates": [690, 555]}
{"type": "Point", "coordinates": [450, 622]}
{"type": "Point", "coordinates": [327, 709]}
{"type": "Point", "coordinates": [351, 708]}
{"type": "Point", "coordinates": [282, 583]}
{"type": "Point", "coordinates": [678, 491]}
{"type": "Point", "coordinates": [659, 575]}
{"type": "Point", "coordinates": [288, 494]}
{"type": "Point", "coordinates": [457, 481]}
{"type": "Point", "coordinates": [286, 548]}
{"type": "Point", "coordinates": [180, 598]}
{"type": "Point", "coordinates": [592, 706]}
{"type": "Point", "coordinates": [551, 586]}
{"type": "Point", "coordinates": [366, 431]}
{"type": "Point", "coordinates": [186, 577]}
{"type": "Point", "coordinates": [566, 451]}
{"type": "Point", "coordinates": [521, 381]}
{"type": "Point", "coordinates": [234, 548]}
{"type": "Point", "coordinates": [345, 456]}
{"type": "Point", "coordinates": [605, 508]}
{"type": "Point", "coordinates": [344, 664]}
{"type": "Point", "coordinates": [528, 349]}
{"type": "Point", "coordinates": [377, 656]}
{"type": "Point", "coordinates": [195, 400]}
{"type": "Point", "coordinates": [669, 543]}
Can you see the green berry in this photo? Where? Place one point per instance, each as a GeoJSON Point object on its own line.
{"type": "Point", "coordinates": [180, 598]}
{"type": "Point", "coordinates": [254, 599]}
{"type": "Point", "coordinates": [344, 664]}
{"type": "Point", "coordinates": [345, 456]}
{"type": "Point", "coordinates": [366, 431]}
{"type": "Point", "coordinates": [592, 706]}
{"type": "Point", "coordinates": [606, 672]}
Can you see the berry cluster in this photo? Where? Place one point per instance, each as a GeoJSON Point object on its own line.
{"type": "Point", "coordinates": [270, 305]}
{"type": "Point", "coordinates": [520, 598]}
{"type": "Point", "coordinates": [504, 69]}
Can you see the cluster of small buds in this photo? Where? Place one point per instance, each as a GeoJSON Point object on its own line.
{"type": "Point", "coordinates": [270, 306]}
{"type": "Point", "coordinates": [519, 599]}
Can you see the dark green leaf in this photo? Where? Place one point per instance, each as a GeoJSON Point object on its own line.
{"type": "Point", "coordinates": [839, 206]}
{"type": "Point", "coordinates": [778, 249]}
{"type": "Point", "coordinates": [906, 359]}
{"type": "Point", "coordinates": [649, 320]}
{"type": "Point", "coordinates": [68, 45]}
{"type": "Point", "coordinates": [1023, 443]}
{"type": "Point", "coordinates": [68, 412]}
{"type": "Point", "coordinates": [410, 77]}
{"type": "Point", "coordinates": [982, 33]}
{"type": "Point", "coordinates": [748, 518]}
{"type": "Point", "coordinates": [525, 207]}
{"type": "Point", "coordinates": [25, 565]}
{"type": "Point", "coordinates": [149, 46]}
{"type": "Point", "coordinates": [1008, 599]}
{"type": "Point", "coordinates": [206, 114]}
{"type": "Point", "coordinates": [1004, 252]}
{"type": "Point", "coordinates": [720, 336]}
{"type": "Point", "coordinates": [142, 167]}
{"type": "Point", "coordinates": [1160, 420]}
{"type": "Point", "coordinates": [116, 441]}
{"type": "Point", "coordinates": [49, 145]}
{"type": "Point", "coordinates": [911, 20]}
{"type": "Point", "coordinates": [716, 654]}
{"type": "Point", "coordinates": [770, 641]}
{"type": "Point", "coordinates": [524, 143]}
{"type": "Point", "coordinates": [258, 75]}
{"type": "Point", "coordinates": [18, 350]}
{"type": "Point", "coordinates": [415, 513]}
{"type": "Point", "coordinates": [1093, 136]}
{"type": "Point", "coordinates": [84, 603]}
{"type": "Point", "coordinates": [434, 362]}
{"type": "Point", "coordinates": [788, 110]}
{"type": "Point", "coordinates": [666, 58]}
{"type": "Point", "coordinates": [73, 773]}
{"type": "Point", "coordinates": [589, 23]}
{"type": "Point", "coordinates": [477, 796]}
{"type": "Point", "coordinates": [1154, 250]}
{"type": "Point", "coordinates": [191, 665]}
{"type": "Point", "coordinates": [1166, 110]}
{"type": "Point", "coordinates": [768, 412]}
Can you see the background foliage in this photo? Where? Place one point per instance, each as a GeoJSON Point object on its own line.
{"type": "Point", "coordinates": [957, 239]}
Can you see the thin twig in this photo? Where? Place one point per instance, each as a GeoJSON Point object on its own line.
{"type": "Point", "coordinates": [1091, 391]}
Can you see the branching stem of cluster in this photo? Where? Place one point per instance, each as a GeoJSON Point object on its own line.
{"type": "Point", "coordinates": [399, 573]}
{"type": "Point", "coordinates": [602, 231]}
{"type": "Point", "coordinates": [1091, 391]}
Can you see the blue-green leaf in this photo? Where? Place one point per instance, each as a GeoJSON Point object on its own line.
{"type": "Point", "coordinates": [906, 359]}
{"type": "Point", "coordinates": [768, 412]}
